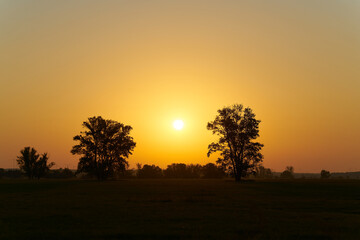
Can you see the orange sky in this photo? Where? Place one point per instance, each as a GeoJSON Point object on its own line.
{"type": "Point", "coordinates": [147, 63]}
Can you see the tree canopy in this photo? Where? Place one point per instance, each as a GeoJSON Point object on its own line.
{"type": "Point", "coordinates": [104, 147]}
{"type": "Point", "coordinates": [34, 165]}
{"type": "Point", "coordinates": [237, 129]}
{"type": "Point", "coordinates": [262, 172]}
{"type": "Point", "coordinates": [181, 170]}
{"type": "Point", "coordinates": [149, 171]}
{"type": "Point", "coordinates": [210, 170]}
{"type": "Point", "coordinates": [324, 174]}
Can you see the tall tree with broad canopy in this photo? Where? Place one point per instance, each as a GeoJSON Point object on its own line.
{"type": "Point", "coordinates": [104, 147]}
{"type": "Point", "coordinates": [33, 164]}
{"type": "Point", "coordinates": [237, 129]}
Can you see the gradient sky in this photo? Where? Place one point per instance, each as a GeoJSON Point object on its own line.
{"type": "Point", "coordinates": [147, 63]}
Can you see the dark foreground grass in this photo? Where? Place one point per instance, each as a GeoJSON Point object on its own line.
{"type": "Point", "coordinates": [179, 209]}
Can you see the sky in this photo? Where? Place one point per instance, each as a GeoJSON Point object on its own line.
{"type": "Point", "coordinates": [148, 63]}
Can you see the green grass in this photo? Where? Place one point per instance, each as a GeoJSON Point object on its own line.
{"type": "Point", "coordinates": [179, 209]}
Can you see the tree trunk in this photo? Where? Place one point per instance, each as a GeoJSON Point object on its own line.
{"type": "Point", "coordinates": [238, 173]}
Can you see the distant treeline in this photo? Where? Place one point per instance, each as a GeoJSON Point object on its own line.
{"type": "Point", "coordinates": [185, 171]}
{"type": "Point", "coordinates": [175, 170]}
{"type": "Point", "coordinates": [54, 173]}
{"type": "Point", "coordinates": [179, 170]}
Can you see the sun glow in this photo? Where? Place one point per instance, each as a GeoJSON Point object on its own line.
{"type": "Point", "coordinates": [178, 124]}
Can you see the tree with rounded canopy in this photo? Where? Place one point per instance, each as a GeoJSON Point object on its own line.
{"type": "Point", "coordinates": [237, 129]}
{"type": "Point", "coordinates": [324, 174]}
{"type": "Point", "coordinates": [34, 165]}
{"type": "Point", "coordinates": [104, 147]}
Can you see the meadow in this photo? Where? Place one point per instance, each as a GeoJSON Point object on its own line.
{"type": "Point", "coordinates": [179, 209]}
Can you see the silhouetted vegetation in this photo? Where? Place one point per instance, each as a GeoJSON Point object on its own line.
{"type": "Point", "coordinates": [128, 173]}
{"type": "Point", "coordinates": [350, 175]}
{"type": "Point", "coordinates": [12, 173]}
{"type": "Point", "coordinates": [210, 170]}
{"type": "Point", "coordinates": [149, 171]}
{"type": "Point", "coordinates": [104, 147]}
{"type": "Point", "coordinates": [60, 173]}
{"type": "Point", "coordinates": [236, 127]}
{"type": "Point", "coordinates": [325, 174]}
{"type": "Point", "coordinates": [51, 173]}
{"type": "Point", "coordinates": [32, 164]}
{"type": "Point", "coordinates": [262, 172]}
{"type": "Point", "coordinates": [193, 171]}
{"type": "Point", "coordinates": [288, 173]}
{"type": "Point", "coordinates": [181, 170]}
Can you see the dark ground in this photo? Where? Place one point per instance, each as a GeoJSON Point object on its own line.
{"type": "Point", "coordinates": [179, 209]}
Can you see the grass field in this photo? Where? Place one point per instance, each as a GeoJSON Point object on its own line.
{"type": "Point", "coordinates": [179, 209]}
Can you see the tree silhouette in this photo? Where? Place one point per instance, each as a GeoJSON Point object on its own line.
{"type": "Point", "coordinates": [104, 147]}
{"type": "Point", "coordinates": [324, 174]}
{"type": "Point", "coordinates": [288, 173]}
{"type": "Point", "coordinates": [34, 165]}
{"type": "Point", "coordinates": [193, 170]}
{"type": "Point", "coordinates": [262, 172]}
{"type": "Point", "coordinates": [236, 127]}
{"type": "Point", "coordinates": [181, 170]}
{"type": "Point", "coordinates": [210, 170]}
{"type": "Point", "coordinates": [148, 171]}
{"type": "Point", "coordinates": [2, 172]}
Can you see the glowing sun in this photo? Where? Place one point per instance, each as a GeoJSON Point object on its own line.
{"type": "Point", "coordinates": [178, 124]}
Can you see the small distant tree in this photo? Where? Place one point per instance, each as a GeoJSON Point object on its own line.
{"type": "Point", "coordinates": [138, 166]}
{"type": "Point", "coordinates": [104, 147]}
{"type": "Point", "coordinates": [149, 171]}
{"type": "Point", "coordinates": [288, 173]}
{"type": "Point", "coordinates": [324, 174]}
{"type": "Point", "coordinates": [237, 129]}
{"type": "Point", "coordinates": [210, 170]}
{"type": "Point", "coordinates": [33, 164]}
